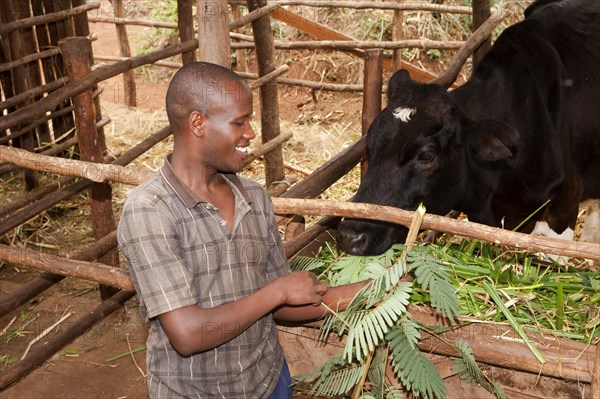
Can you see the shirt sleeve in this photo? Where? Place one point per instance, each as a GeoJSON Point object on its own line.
{"type": "Point", "coordinates": [149, 242]}
{"type": "Point", "coordinates": [278, 265]}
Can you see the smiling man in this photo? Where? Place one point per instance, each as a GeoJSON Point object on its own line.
{"type": "Point", "coordinates": [206, 257]}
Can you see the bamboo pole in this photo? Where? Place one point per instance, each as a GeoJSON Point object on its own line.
{"type": "Point", "coordinates": [128, 76]}
{"type": "Point", "coordinates": [46, 18]}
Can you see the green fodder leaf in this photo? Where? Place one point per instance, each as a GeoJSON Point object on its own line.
{"type": "Point", "coordinates": [339, 381]}
{"type": "Point", "coordinates": [431, 275]}
{"type": "Point", "coordinates": [467, 369]}
{"type": "Point", "coordinates": [306, 263]}
{"type": "Point", "coordinates": [369, 330]}
{"type": "Point", "coordinates": [415, 371]}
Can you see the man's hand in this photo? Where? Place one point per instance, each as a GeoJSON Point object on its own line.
{"type": "Point", "coordinates": [300, 288]}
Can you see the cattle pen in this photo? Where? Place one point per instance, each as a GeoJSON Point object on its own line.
{"type": "Point", "coordinates": [51, 104]}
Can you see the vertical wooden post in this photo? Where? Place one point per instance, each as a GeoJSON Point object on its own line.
{"type": "Point", "coordinates": [481, 12]}
{"type": "Point", "coordinates": [372, 86]}
{"type": "Point", "coordinates": [15, 10]}
{"type": "Point", "coordinates": [213, 32]}
{"type": "Point", "coordinates": [56, 31]}
{"type": "Point", "coordinates": [128, 76]}
{"type": "Point", "coordinates": [185, 23]}
{"type": "Point", "coordinates": [269, 104]}
{"type": "Point", "coordinates": [397, 34]}
{"type": "Point", "coordinates": [82, 28]}
{"type": "Point", "coordinates": [76, 55]}
{"type": "Point", "coordinates": [240, 54]}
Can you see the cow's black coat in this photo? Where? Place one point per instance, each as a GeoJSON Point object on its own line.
{"type": "Point", "coordinates": [525, 128]}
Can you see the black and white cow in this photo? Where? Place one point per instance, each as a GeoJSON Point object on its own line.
{"type": "Point", "coordinates": [524, 129]}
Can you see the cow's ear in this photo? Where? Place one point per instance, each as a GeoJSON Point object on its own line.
{"type": "Point", "coordinates": [400, 84]}
{"type": "Point", "coordinates": [492, 140]}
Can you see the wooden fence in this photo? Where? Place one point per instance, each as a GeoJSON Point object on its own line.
{"type": "Point", "coordinates": [49, 92]}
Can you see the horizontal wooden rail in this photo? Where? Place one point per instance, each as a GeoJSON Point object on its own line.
{"type": "Point", "coordinates": [6, 28]}
{"type": "Point", "coordinates": [93, 271]}
{"type": "Point", "coordinates": [54, 99]}
{"type": "Point", "coordinates": [365, 44]}
{"type": "Point", "coordinates": [407, 6]}
{"type": "Point", "coordinates": [100, 172]}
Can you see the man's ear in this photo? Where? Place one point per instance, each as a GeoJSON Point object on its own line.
{"type": "Point", "coordinates": [196, 122]}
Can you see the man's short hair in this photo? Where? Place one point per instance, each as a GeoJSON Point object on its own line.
{"type": "Point", "coordinates": [198, 86]}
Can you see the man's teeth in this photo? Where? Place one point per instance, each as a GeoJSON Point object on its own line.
{"type": "Point", "coordinates": [242, 149]}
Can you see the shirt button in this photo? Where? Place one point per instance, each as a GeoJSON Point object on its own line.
{"type": "Point", "coordinates": [223, 222]}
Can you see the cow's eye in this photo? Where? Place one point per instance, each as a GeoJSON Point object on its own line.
{"type": "Point", "coordinates": [426, 156]}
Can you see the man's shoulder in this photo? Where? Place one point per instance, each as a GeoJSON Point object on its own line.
{"type": "Point", "coordinates": [153, 190]}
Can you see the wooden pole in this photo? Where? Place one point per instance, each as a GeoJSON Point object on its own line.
{"type": "Point", "coordinates": [46, 18]}
{"type": "Point", "coordinates": [481, 12]}
{"type": "Point", "coordinates": [269, 103]}
{"type": "Point", "coordinates": [447, 78]}
{"type": "Point", "coordinates": [498, 344]}
{"type": "Point", "coordinates": [383, 5]}
{"type": "Point", "coordinates": [55, 98]}
{"type": "Point", "coordinates": [372, 82]}
{"type": "Point", "coordinates": [185, 23]}
{"type": "Point", "coordinates": [128, 76]}
{"type": "Point", "coordinates": [527, 242]}
{"type": "Point", "coordinates": [240, 55]}
{"type": "Point", "coordinates": [397, 35]}
{"type": "Point", "coordinates": [32, 288]}
{"type": "Point", "coordinates": [213, 28]}
{"type": "Point", "coordinates": [20, 76]}
{"type": "Point", "coordinates": [77, 55]}
{"type": "Point", "coordinates": [92, 271]}
{"type": "Point", "coordinates": [328, 173]}
{"type": "Point", "coordinates": [62, 124]}
{"type": "Point", "coordinates": [348, 45]}
{"type": "Point", "coordinates": [17, 371]}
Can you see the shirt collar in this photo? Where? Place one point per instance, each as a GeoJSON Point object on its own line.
{"type": "Point", "coordinates": [186, 195]}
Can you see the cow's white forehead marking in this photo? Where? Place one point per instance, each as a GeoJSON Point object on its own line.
{"type": "Point", "coordinates": [404, 113]}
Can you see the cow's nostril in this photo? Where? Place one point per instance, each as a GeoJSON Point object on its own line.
{"type": "Point", "coordinates": [352, 242]}
{"type": "Point", "coordinates": [358, 240]}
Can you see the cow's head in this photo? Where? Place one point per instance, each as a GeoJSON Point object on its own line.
{"type": "Point", "coordinates": [419, 149]}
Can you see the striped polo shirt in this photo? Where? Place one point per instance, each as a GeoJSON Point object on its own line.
{"type": "Point", "coordinates": [180, 253]}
